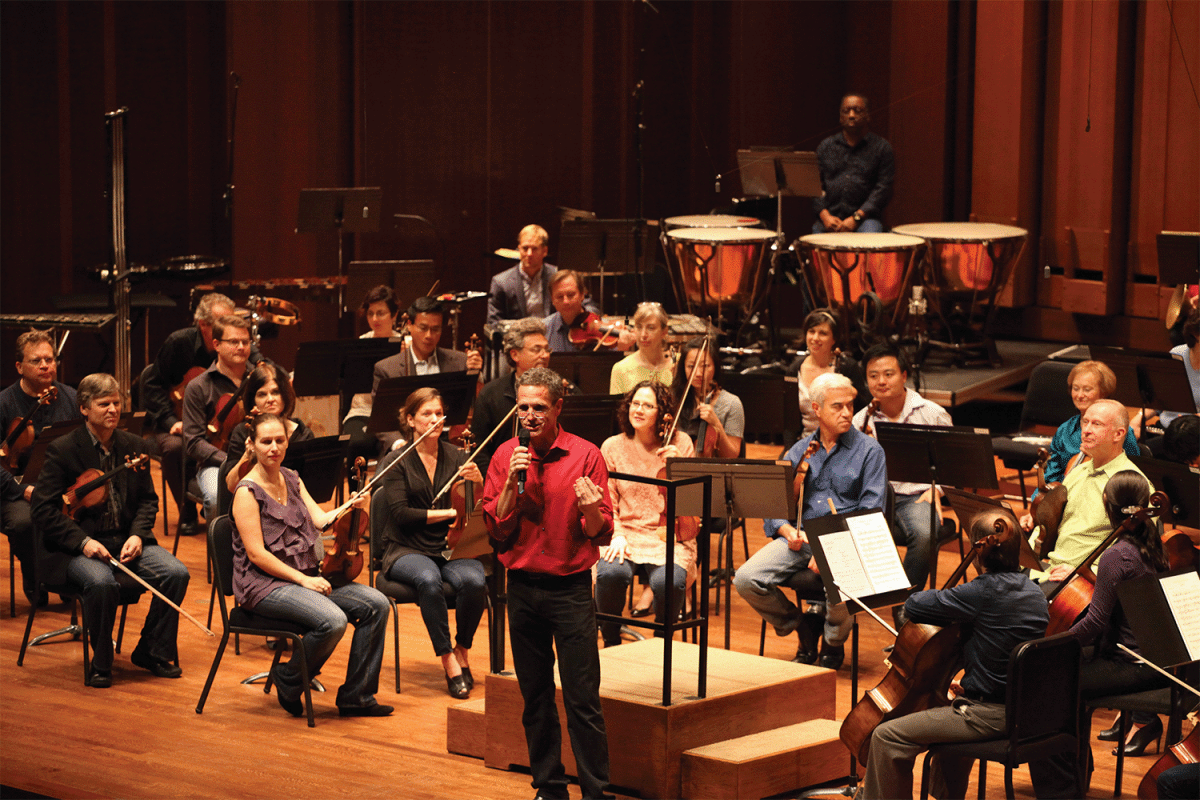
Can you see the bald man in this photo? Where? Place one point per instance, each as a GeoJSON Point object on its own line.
{"type": "Point", "coordinates": [1084, 522]}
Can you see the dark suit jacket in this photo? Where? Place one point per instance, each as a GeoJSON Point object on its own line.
{"type": "Point", "coordinates": [401, 366]}
{"type": "Point", "coordinates": [66, 459]}
{"type": "Point", "coordinates": [506, 295]}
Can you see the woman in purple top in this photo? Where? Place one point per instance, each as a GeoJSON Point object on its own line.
{"type": "Point", "coordinates": [276, 573]}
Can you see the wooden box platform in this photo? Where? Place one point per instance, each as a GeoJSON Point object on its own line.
{"type": "Point", "coordinates": [746, 694]}
{"type": "Point", "coordinates": [466, 728]}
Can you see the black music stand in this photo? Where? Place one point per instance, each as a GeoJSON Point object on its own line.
{"type": "Point", "coordinates": [746, 488]}
{"type": "Point", "coordinates": [968, 505]}
{"type": "Point", "coordinates": [344, 367]}
{"type": "Point", "coordinates": [1178, 257]}
{"type": "Point", "coordinates": [319, 462]}
{"type": "Point", "coordinates": [457, 390]}
{"type": "Point", "coordinates": [1180, 482]}
{"type": "Point", "coordinates": [37, 450]}
{"type": "Point", "coordinates": [590, 416]}
{"type": "Point", "coordinates": [590, 370]}
{"type": "Point", "coordinates": [409, 278]}
{"type": "Point", "coordinates": [774, 171]}
{"type": "Point", "coordinates": [914, 452]}
{"type": "Point", "coordinates": [1148, 379]}
{"type": "Point", "coordinates": [604, 247]}
{"type": "Point", "coordinates": [345, 210]}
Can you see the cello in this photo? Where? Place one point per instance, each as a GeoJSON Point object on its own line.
{"type": "Point", "coordinates": [228, 413]}
{"type": "Point", "coordinates": [922, 663]}
{"type": "Point", "coordinates": [1186, 751]}
{"type": "Point", "coordinates": [20, 435]}
{"type": "Point", "coordinates": [1047, 508]}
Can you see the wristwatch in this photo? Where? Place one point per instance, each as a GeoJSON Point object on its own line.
{"type": "Point", "coordinates": [859, 216]}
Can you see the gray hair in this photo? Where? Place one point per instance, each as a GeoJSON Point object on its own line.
{"type": "Point", "coordinates": [98, 384]}
{"type": "Point", "coordinates": [827, 383]}
{"type": "Point", "coordinates": [548, 379]}
{"type": "Point", "coordinates": [516, 331]}
{"type": "Point", "coordinates": [204, 309]}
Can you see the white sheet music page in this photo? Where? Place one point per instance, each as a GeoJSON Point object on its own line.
{"type": "Point", "coordinates": [842, 557]}
{"type": "Point", "coordinates": [880, 561]}
{"type": "Point", "coordinates": [1183, 595]}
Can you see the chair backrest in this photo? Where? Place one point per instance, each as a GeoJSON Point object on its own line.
{"type": "Point", "coordinates": [139, 388]}
{"type": "Point", "coordinates": [1048, 397]}
{"type": "Point", "coordinates": [1043, 688]}
{"type": "Point", "coordinates": [220, 547]}
{"type": "Point", "coordinates": [381, 521]}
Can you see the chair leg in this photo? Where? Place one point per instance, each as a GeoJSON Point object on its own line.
{"type": "Point", "coordinates": [28, 628]}
{"type": "Point", "coordinates": [396, 641]}
{"type": "Point", "coordinates": [1125, 723]}
{"type": "Point", "coordinates": [762, 638]}
{"type": "Point", "coordinates": [1008, 782]}
{"type": "Point", "coordinates": [212, 601]}
{"type": "Point", "coordinates": [87, 656]}
{"type": "Point", "coordinates": [12, 585]}
{"type": "Point", "coordinates": [925, 776]}
{"type": "Point", "coordinates": [212, 672]}
{"type": "Point", "coordinates": [121, 627]}
{"type": "Point", "coordinates": [745, 542]}
{"type": "Point", "coordinates": [982, 779]}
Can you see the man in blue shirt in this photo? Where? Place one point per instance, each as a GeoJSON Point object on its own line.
{"type": "Point", "coordinates": [847, 469]}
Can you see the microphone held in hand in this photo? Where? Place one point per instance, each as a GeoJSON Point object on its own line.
{"type": "Point", "coordinates": [523, 440]}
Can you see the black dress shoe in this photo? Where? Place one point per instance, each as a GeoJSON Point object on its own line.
{"type": "Point", "coordinates": [457, 686]}
{"type": "Point", "coordinates": [186, 529]}
{"type": "Point", "coordinates": [100, 679]}
{"type": "Point", "coordinates": [160, 668]}
{"type": "Point", "coordinates": [1141, 739]}
{"type": "Point", "coordinates": [293, 707]}
{"type": "Point", "coordinates": [832, 656]}
{"type": "Point", "coordinates": [642, 612]}
{"type": "Point", "coordinates": [466, 673]}
{"type": "Point", "coordinates": [376, 710]}
{"type": "Point", "coordinates": [809, 631]}
{"type": "Point", "coordinates": [1111, 734]}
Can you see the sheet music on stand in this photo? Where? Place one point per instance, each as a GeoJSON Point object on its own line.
{"type": "Point", "coordinates": [855, 551]}
{"type": "Point", "coordinates": [1164, 613]}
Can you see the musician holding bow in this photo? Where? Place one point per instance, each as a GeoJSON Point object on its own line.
{"type": "Point", "coordinates": [120, 528]}
{"type": "Point", "coordinates": [848, 469]}
{"type": "Point", "coordinates": [39, 396]}
{"type": "Point", "coordinates": [1004, 608]}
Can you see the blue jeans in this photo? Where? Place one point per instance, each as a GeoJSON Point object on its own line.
{"type": "Point", "coordinates": [758, 582]}
{"type": "Point", "coordinates": [101, 594]}
{"type": "Point", "coordinates": [326, 618]}
{"type": "Point", "coordinates": [426, 575]}
{"type": "Point", "coordinates": [612, 584]}
{"type": "Point", "coordinates": [208, 477]}
{"type": "Point", "coordinates": [868, 225]}
{"type": "Point", "coordinates": [912, 522]}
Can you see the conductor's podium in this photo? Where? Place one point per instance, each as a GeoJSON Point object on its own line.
{"type": "Point", "coordinates": [765, 727]}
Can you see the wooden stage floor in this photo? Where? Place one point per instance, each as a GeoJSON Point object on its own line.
{"type": "Point", "coordinates": [143, 739]}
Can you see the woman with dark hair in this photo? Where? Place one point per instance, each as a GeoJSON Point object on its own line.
{"type": "Point", "coordinates": [380, 308]}
{"type": "Point", "coordinates": [414, 551]}
{"type": "Point", "coordinates": [268, 391]}
{"type": "Point", "coordinates": [277, 573]}
{"type": "Point", "coordinates": [820, 336]}
{"type": "Point", "coordinates": [638, 542]}
{"type": "Point", "coordinates": [1108, 670]}
{"type": "Point", "coordinates": [720, 409]}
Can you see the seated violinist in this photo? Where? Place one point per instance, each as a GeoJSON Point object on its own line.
{"type": "Point", "coordinates": [1084, 523]}
{"type": "Point", "coordinates": [847, 469]}
{"type": "Point", "coordinates": [572, 327]}
{"type": "Point", "coordinates": [268, 391]}
{"type": "Point", "coordinates": [650, 361]}
{"type": "Point", "coordinates": [1004, 609]}
{"type": "Point", "coordinates": [276, 573]}
{"type": "Point", "coordinates": [720, 410]}
{"type": "Point", "coordinates": [380, 308]}
{"type": "Point", "coordinates": [1108, 670]}
{"type": "Point", "coordinates": [415, 550]}
{"type": "Point", "coordinates": [523, 290]}
{"type": "Point", "coordinates": [121, 526]}
{"type": "Point", "coordinates": [204, 400]}
{"type": "Point", "coordinates": [638, 545]}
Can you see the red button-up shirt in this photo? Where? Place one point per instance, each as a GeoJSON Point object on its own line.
{"type": "Point", "coordinates": [544, 531]}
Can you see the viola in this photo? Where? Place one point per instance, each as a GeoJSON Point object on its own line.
{"type": "Point", "coordinates": [706, 435]}
{"type": "Point", "coordinates": [178, 391]}
{"type": "Point", "coordinates": [921, 666]}
{"type": "Point", "coordinates": [91, 487]}
{"type": "Point", "coordinates": [594, 330]}
{"type": "Point", "coordinates": [460, 434]}
{"type": "Point", "coordinates": [1047, 508]}
{"type": "Point", "coordinates": [1186, 751]}
{"type": "Point", "coordinates": [227, 415]}
{"type": "Point", "coordinates": [344, 562]}
{"type": "Point", "coordinates": [1070, 599]}
{"type": "Point", "coordinates": [20, 434]}
{"type": "Point", "coordinates": [467, 513]}
{"type": "Point", "coordinates": [801, 474]}
{"type": "Point", "coordinates": [872, 407]}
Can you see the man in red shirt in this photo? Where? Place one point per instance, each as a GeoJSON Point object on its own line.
{"type": "Point", "coordinates": [548, 512]}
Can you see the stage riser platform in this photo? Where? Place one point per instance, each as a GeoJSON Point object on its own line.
{"type": "Point", "coordinates": [746, 694]}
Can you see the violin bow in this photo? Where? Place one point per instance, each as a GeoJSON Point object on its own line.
{"type": "Point", "coordinates": [344, 507]}
{"type": "Point", "coordinates": [159, 595]}
{"type": "Point", "coordinates": [1159, 669]}
{"type": "Point", "coordinates": [474, 453]}
{"type": "Point", "coordinates": [686, 389]}
{"type": "Point", "coordinates": [866, 608]}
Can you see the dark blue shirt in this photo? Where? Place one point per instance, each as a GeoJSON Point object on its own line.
{"type": "Point", "coordinates": [855, 177]}
{"type": "Point", "coordinates": [853, 474]}
{"type": "Point", "coordinates": [1003, 609]}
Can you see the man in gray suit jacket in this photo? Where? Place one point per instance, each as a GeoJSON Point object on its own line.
{"type": "Point", "coordinates": [426, 317]}
{"type": "Point", "coordinates": [524, 290]}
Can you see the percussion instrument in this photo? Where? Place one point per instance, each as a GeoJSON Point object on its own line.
{"type": "Point", "coordinates": [190, 268]}
{"type": "Point", "coordinates": [711, 221]}
{"type": "Point", "coordinates": [718, 265]}
{"type": "Point", "coordinates": [78, 321]}
{"type": "Point", "coordinates": [870, 270]}
{"type": "Point", "coordinates": [273, 309]}
{"type": "Point", "coordinates": [965, 267]}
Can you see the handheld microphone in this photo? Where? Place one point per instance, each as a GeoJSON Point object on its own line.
{"type": "Point", "coordinates": [523, 440]}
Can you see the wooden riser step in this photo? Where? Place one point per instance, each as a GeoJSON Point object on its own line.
{"type": "Point", "coordinates": [766, 763]}
{"type": "Point", "coordinates": [466, 728]}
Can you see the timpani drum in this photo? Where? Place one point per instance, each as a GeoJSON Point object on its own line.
{"type": "Point", "coordinates": [868, 269]}
{"type": "Point", "coordinates": [711, 221]}
{"type": "Point", "coordinates": [965, 267]}
{"type": "Point", "coordinates": [719, 265]}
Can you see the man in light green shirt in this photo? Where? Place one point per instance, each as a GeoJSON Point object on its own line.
{"type": "Point", "coordinates": [1084, 522]}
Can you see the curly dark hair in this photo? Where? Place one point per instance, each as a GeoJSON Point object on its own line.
{"type": "Point", "coordinates": [662, 398]}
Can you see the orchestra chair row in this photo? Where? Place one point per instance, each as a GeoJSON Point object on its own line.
{"type": "Point", "coordinates": [1047, 403]}
{"type": "Point", "coordinates": [130, 592]}
{"type": "Point", "coordinates": [240, 620]}
{"type": "Point", "coordinates": [1043, 709]}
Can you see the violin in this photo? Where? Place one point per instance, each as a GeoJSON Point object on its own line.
{"type": "Point", "coordinates": [228, 414]}
{"type": "Point", "coordinates": [872, 407]}
{"type": "Point", "coordinates": [177, 392]}
{"type": "Point", "coordinates": [921, 666]}
{"type": "Point", "coordinates": [1047, 508]}
{"type": "Point", "coordinates": [1186, 751]}
{"type": "Point", "coordinates": [460, 434]}
{"type": "Point", "coordinates": [1070, 599]}
{"type": "Point", "coordinates": [344, 562]}
{"type": "Point", "coordinates": [91, 487]}
{"type": "Point", "coordinates": [593, 330]}
{"type": "Point", "coordinates": [686, 528]}
{"type": "Point", "coordinates": [706, 435]}
{"type": "Point", "coordinates": [464, 502]}
{"type": "Point", "coordinates": [20, 434]}
{"type": "Point", "coordinates": [801, 474]}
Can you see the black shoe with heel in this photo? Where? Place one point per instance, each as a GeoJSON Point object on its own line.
{"type": "Point", "coordinates": [1111, 734]}
{"type": "Point", "coordinates": [1137, 743]}
{"type": "Point", "coordinates": [457, 687]}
